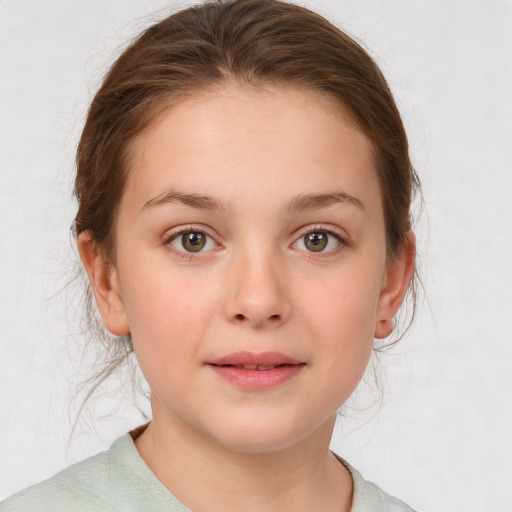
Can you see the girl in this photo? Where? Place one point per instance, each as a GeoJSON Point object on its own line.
{"type": "Point", "coordinates": [244, 189]}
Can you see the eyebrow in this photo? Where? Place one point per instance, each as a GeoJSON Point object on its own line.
{"type": "Point", "coordinates": [198, 201]}
{"type": "Point", "coordinates": [316, 201]}
{"type": "Point", "coordinates": [298, 203]}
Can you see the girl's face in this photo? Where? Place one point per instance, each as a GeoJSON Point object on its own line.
{"type": "Point", "coordinates": [250, 265]}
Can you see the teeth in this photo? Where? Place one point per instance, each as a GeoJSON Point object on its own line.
{"type": "Point", "coordinates": [261, 367]}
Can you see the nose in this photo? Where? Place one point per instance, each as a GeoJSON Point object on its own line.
{"type": "Point", "coordinates": [257, 291]}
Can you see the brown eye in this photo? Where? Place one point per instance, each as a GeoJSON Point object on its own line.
{"type": "Point", "coordinates": [193, 241]}
{"type": "Point", "coordinates": [316, 242]}
{"type": "Point", "coordinates": [319, 241]}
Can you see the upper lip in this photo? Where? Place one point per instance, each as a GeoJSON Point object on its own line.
{"type": "Point", "coordinates": [251, 358]}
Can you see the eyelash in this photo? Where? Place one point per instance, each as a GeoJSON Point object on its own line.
{"type": "Point", "coordinates": [187, 255]}
{"type": "Point", "coordinates": [341, 240]}
{"type": "Point", "coordinates": [337, 235]}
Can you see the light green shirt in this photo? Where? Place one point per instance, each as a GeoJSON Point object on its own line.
{"type": "Point", "coordinates": [120, 480]}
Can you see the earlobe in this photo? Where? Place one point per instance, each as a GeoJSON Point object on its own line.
{"type": "Point", "coordinates": [105, 284]}
{"type": "Point", "coordinates": [394, 288]}
{"type": "Point", "coordinates": [383, 328]}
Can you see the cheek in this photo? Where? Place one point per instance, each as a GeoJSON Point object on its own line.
{"type": "Point", "coordinates": [341, 317]}
{"type": "Point", "coordinates": [345, 303]}
{"type": "Point", "coordinates": [168, 314]}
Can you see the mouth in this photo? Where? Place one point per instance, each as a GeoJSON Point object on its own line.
{"type": "Point", "coordinates": [252, 361]}
{"type": "Point", "coordinates": [259, 367]}
{"type": "Point", "coordinates": [257, 371]}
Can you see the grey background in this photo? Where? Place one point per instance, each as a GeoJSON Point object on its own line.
{"type": "Point", "coordinates": [442, 437]}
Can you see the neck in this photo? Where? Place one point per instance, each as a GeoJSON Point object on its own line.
{"type": "Point", "coordinates": [206, 476]}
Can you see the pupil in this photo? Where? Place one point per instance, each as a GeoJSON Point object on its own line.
{"type": "Point", "coordinates": [193, 242]}
{"type": "Point", "coordinates": [316, 242]}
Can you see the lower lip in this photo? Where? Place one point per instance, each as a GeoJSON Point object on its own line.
{"type": "Point", "coordinates": [258, 379]}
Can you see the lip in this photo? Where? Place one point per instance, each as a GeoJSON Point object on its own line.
{"type": "Point", "coordinates": [248, 358]}
{"type": "Point", "coordinates": [229, 368]}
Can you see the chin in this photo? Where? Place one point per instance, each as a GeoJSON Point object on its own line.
{"type": "Point", "coordinates": [268, 437]}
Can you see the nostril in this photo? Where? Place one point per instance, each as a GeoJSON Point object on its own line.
{"type": "Point", "coordinates": [242, 318]}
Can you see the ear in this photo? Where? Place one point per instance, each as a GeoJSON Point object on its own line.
{"type": "Point", "coordinates": [394, 286]}
{"type": "Point", "coordinates": [105, 284]}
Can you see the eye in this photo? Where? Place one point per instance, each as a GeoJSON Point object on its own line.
{"type": "Point", "coordinates": [318, 241]}
{"type": "Point", "coordinates": [192, 241]}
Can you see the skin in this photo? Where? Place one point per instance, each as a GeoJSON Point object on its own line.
{"type": "Point", "coordinates": [256, 286]}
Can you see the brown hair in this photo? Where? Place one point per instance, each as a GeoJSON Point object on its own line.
{"type": "Point", "coordinates": [250, 42]}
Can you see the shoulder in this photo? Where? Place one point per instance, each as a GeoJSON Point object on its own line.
{"type": "Point", "coordinates": [86, 483]}
{"type": "Point", "coordinates": [368, 496]}
{"type": "Point", "coordinates": [117, 479]}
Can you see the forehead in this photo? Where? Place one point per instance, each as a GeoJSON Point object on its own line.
{"type": "Point", "coordinates": [233, 135]}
